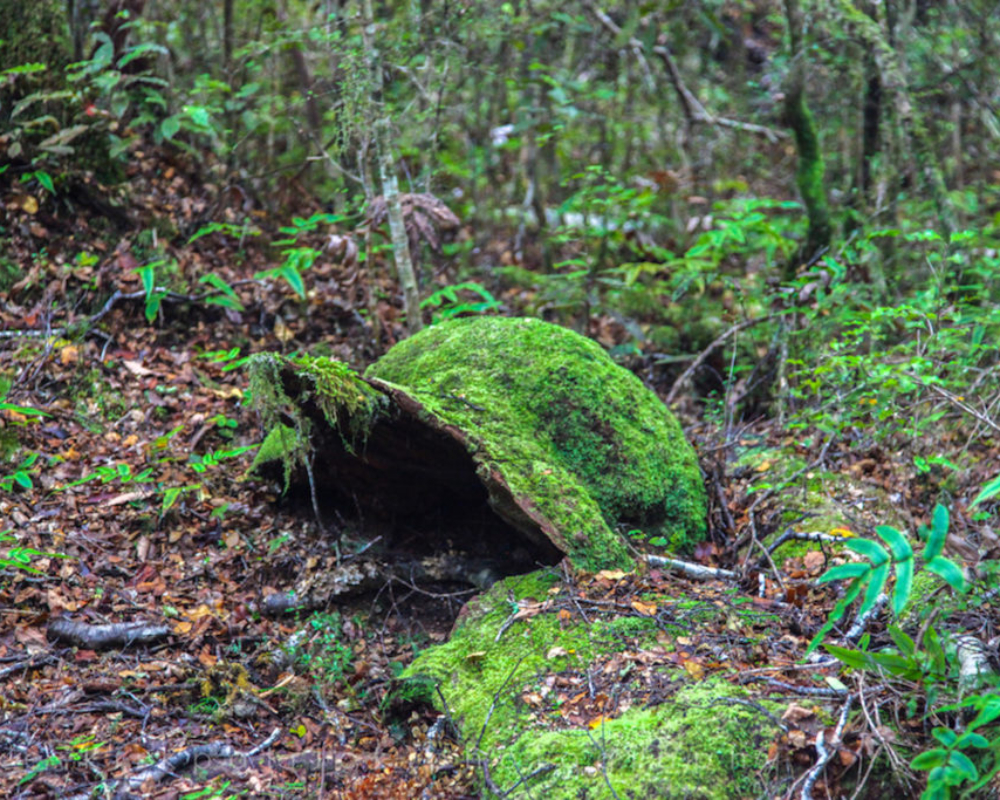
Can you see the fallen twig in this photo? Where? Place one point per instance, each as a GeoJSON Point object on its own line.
{"type": "Point", "coordinates": [170, 765]}
{"type": "Point", "coordinates": [104, 637]}
{"type": "Point", "coordinates": [696, 571]}
{"type": "Point", "coordinates": [825, 751]}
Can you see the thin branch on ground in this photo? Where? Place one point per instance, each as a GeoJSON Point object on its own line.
{"type": "Point", "coordinates": [826, 751]}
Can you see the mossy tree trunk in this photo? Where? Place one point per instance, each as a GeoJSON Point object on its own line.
{"type": "Point", "coordinates": [916, 137]}
{"type": "Point", "coordinates": [811, 169]}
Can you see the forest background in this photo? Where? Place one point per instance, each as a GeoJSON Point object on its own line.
{"type": "Point", "coordinates": [783, 216]}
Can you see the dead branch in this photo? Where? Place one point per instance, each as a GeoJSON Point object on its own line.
{"type": "Point", "coordinates": [104, 637]}
{"type": "Point", "coordinates": [172, 764]}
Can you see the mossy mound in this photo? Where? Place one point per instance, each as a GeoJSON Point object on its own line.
{"type": "Point", "coordinates": [517, 420]}
{"type": "Point", "coordinates": [573, 434]}
{"type": "Point", "coordinates": [704, 741]}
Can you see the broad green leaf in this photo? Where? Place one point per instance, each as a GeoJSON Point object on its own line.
{"type": "Point", "coordinates": [46, 180]}
{"type": "Point", "coordinates": [948, 570]}
{"type": "Point", "coordinates": [963, 765]}
{"type": "Point", "coordinates": [939, 531]}
{"type": "Point", "coordinates": [876, 584]}
{"type": "Point", "coordinates": [153, 306]}
{"type": "Point", "coordinates": [23, 479]}
{"type": "Point", "coordinates": [904, 585]}
{"type": "Point", "coordinates": [989, 712]}
{"type": "Point", "coordinates": [930, 759]}
{"type": "Point", "coordinates": [852, 658]}
{"type": "Point", "coordinates": [973, 739]}
{"type": "Point", "coordinates": [902, 640]}
{"type": "Point", "coordinates": [844, 571]}
{"type": "Point", "coordinates": [291, 274]}
{"type": "Point", "coordinates": [148, 275]}
{"type": "Point", "coordinates": [170, 126]}
{"type": "Point", "coordinates": [946, 736]}
{"type": "Point", "coordinates": [871, 550]}
{"type": "Point", "coordinates": [898, 544]}
{"type": "Point", "coordinates": [169, 498]}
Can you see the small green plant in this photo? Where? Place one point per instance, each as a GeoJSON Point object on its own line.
{"type": "Point", "coordinates": [447, 303]}
{"type": "Point", "coordinates": [21, 558]}
{"type": "Point", "coordinates": [298, 258]}
{"type": "Point", "coordinates": [327, 655]}
{"type": "Point", "coordinates": [21, 476]}
{"type": "Point", "coordinates": [873, 576]}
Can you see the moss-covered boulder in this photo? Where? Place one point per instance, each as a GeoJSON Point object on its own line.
{"type": "Point", "coordinates": [562, 444]}
{"type": "Point", "coordinates": [702, 740]}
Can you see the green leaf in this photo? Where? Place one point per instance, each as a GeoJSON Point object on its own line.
{"type": "Point", "coordinates": [972, 739]}
{"type": "Point", "coordinates": [294, 278]}
{"type": "Point", "coordinates": [871, 550]}
{"type": "Point", "coordinates": [844, 571]}
{"type": "Point", "coordinates": [875, 586]}
{"type": "Point", "coordinates": [963, 765]}
{"type": "Point", "coordinates": [902, 640]}
{"type": "Point", "coordinates": [23, 410]}
{"type": "Point", "coordinates": [169, 498]}
{"type": "Point", "coordinates": [170, 126]}
{"type": "Point", "coordinates": [989, 712]}
{"type": "Point", "coordinates": [990, 490]}
{"type": "Point", "coordinates": [852, 658]}
{"type": "Point", "coordinates": [930, 759]}
{"type": "Point", "coordinates": [946, 736]}
{"type": "Point", "coordinates": [898, 544]}
{"type": "Point", "coordinates": [153, 306]}
{"type": "Point", "coordinates": [23, 479]}
{"type": "Point", "coordinates": [904, 585]}
{"type": "Point", "coordinates": [46, 180]}
{"type": "Point", "coordinates": [148, 275]}
{"type": "Point", "coordinates": [948, 570]}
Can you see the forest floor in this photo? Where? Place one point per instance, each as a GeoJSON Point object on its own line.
{"type": "Point", "coordinates": [138, 510]}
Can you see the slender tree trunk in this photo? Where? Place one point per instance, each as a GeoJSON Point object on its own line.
{"type": "Point", "coordinates": [390, 183]}
{"type": "Point", "coordinates": [811, 169]}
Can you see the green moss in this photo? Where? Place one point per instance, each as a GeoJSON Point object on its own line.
{"type": "Point", "coordinates": [348, 404]}
{"type": "Point", "coordinates": [473, 666]}
{"type": "Point", "coordinates": [702, 743]}
{"type": "Point", "coordinates": [698, 744]}
{"type": "Point", "coordinates": [582, 438]}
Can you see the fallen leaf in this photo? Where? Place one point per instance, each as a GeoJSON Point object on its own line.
{"type": "Point", "coordinates": [646, 609]}
{"type": "Point", "coordinates": [694, 669]}
{"type": "Point", "coordinates": [136, 368]}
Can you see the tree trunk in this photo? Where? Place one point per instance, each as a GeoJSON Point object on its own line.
{"type": "Point", "coordinates": [810, 171]}
{"type": "Point", "coordinates": [916, 138]}
{"type": "Point", "coordinates": [390, 183]}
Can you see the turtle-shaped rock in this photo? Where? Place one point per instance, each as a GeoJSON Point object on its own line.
{"type": "Point", "coordinates": [489, 423]}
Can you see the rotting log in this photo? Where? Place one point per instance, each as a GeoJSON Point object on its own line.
{"type": "Point", "coordinates": [507, 439]}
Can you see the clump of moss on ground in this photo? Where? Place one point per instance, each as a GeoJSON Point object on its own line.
{"type": "Point", "coordinates": [700, 743]}
{"type": "Point", "coordinates": [592, 448]}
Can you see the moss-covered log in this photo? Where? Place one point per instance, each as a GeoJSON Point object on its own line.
{"type": "Point", "coordinates": [509, 434]}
